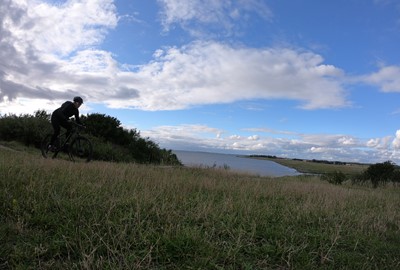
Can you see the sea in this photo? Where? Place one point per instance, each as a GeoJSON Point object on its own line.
{"type": "Point", "coordinates": [232, 162]}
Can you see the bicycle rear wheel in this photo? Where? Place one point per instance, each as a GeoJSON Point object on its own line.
{"type": "Point", "coordinates": [44, 147]}
{"type": "Point", "coordinates": [81, 150]}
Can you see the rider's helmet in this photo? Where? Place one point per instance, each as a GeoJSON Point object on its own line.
{"type": "Point", "coordinates": [78, 99]}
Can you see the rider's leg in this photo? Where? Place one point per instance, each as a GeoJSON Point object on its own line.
{"type": "Point", "coordinates": [65, 124]}
{"type": "Point", "coordinates": [56, 127]}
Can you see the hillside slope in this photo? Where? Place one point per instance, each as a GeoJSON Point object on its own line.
{"type": "Point", "coordinates": [59, 215]}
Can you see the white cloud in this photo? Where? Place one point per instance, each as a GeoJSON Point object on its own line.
{"type": "Point", "coordinates": [330, 140]}
{"type": "Point", "coordinates": [196, 74]}
{"type": "Point", "coordinates": [191, 15]}
{"type": "Point", "coordinates": [54, 61]}
{"type": "Point", "coordinates": [60, 29]}
{"type": "Point", "coordinates": [317, 149]}
{"type": "Point", "coordinates": [211, 73]}
{"type": "Point", "coordinates": [253, 137]}
{"type": "Point", "coordinates": [387, 78]}
{"type": "Point", "coordinates": [396, 141]}
{"type": "Point", "coordinates": [345, 140]}
{"type": "Point", "coordinates": [307, 146]}
{"type": "Point", "coordinates": [271, 131]}
{"type": "Point", "coordinates": [36, 40]}
{"type": "Point", "coordinates": [373, 143]}
{"type": "Point", "coordinates": [382, 143]}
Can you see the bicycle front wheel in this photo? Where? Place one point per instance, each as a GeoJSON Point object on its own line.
{"type": "Point", "coordinates": [81, 150]}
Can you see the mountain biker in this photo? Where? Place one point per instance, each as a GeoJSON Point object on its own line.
{"type": "Point", "coordinates": [60, 117]}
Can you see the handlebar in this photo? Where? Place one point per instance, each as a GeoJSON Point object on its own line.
{"type": "Point", "coordinates": [80, 126]}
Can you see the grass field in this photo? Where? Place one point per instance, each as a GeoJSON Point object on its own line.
{"type": "Point", "coordinates": [59, 215]}
{"type": "Point", "coordinates": [318, 168]}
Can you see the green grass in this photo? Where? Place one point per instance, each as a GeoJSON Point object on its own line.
{"type": "Point", "coordinates": [59, 215]}
{"type": "Point", "coordinates": [319, 168]}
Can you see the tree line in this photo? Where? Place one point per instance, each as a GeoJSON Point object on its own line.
{"type": "Point", "coordinates": [376, 174]}
{"type": "Point", "coordinates": [111, 142]}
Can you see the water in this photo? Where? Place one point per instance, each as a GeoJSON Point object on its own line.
{"type": "Point", "coordinates": [234, 163]}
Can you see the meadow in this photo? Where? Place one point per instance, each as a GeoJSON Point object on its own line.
{"type": "Point", "coordinates": [308, 166]}
{"type": "Point", "coordinates": [55, 214]}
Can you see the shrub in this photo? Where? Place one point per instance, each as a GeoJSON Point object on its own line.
{"type": "Point", "coordinates": [27, 129]}
{"type": "Point", "coordinates": [110, 141]}
{"type": "Point", "coordinates": [396, 176]}
{"type": "Point", "coordinates": [107, 151]}
{"type": "Point", "coordinates": [336, 178]}
{"type": "Point", "coordinates": [379, 173]}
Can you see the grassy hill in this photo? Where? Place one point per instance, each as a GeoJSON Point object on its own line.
{"type": "Point", "coordinates": [55, 214]}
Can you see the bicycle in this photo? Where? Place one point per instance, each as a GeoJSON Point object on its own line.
{"type": "Point", "coordinates": [79, 150]}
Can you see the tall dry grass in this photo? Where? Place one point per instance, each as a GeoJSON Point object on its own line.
{"type": "Point", "coordinates": [56, 215]}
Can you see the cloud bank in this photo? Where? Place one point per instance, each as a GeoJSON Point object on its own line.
{"type": "Point", "coordinates": [52, 61]}
{"type": "Point", "coordinates": [333, 147]}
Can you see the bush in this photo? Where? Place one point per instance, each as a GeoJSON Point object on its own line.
{"type": "Point", "coordinates": [396, 176]}
{"type": "Point", "coordinates": [27, 129]}
{"type": "Point", "coordinates": [110, 141]}
{"type": "Point", "coordinates": [107, 151]}
{"type": "Point", "coordinates": [379, 173]}
{"type": "Point", "coordinates": [336, 178]}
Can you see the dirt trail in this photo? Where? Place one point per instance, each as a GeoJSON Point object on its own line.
{"type": "Point", "coordinates": [7, 148]}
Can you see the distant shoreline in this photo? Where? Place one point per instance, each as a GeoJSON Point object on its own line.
{"type": "Point", "coordinates": [316, 166]}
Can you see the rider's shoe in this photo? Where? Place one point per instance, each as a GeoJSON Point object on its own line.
{"type": "Point", "coordinates": [52, 148]}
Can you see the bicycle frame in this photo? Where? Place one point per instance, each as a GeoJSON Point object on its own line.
{"type": "Point", "coordinates": [78, 147]}
{"type": "Point", "coordinates": [64, 140]}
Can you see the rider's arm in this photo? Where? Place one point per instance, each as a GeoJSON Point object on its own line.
{"type": "Point", "coordinates": [71, 110]}
{"type": "Point", "coordinates": [77, 119]}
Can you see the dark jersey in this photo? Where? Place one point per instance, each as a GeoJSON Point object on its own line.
{"type": "Point", "coordinates": [68, 110]}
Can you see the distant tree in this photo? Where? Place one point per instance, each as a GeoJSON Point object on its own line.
{"type": "Point", "coordinates": [379, 173]}
{"type": "Point", "coordinates": [42, 114]}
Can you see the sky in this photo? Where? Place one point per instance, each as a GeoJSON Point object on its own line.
{"type": "Point", "coordinates": [298, 79]}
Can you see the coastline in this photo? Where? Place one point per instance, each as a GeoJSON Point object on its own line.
{"type": "Point", "coordinates": [315, 167]}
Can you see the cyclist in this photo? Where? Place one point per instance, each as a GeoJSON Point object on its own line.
{"type": "Point", "coordinates": [60, 117]}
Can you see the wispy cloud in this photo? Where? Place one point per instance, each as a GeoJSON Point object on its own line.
{"type": "Point", "coordinates": [387, 78]}
{"type": "Point", "coordinates": [194, 15]}
{"type": "Point", "coordinates": [272, 131]}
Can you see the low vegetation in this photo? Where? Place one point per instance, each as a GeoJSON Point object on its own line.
{"type": "Point", "coordinates": [315, 167]}
{"type": "Point", "coordinates": [340, 172]}
{"type": "Point", "coordinates": [56, 214]}
{"type": "Point", "coordinates": [111, 142]}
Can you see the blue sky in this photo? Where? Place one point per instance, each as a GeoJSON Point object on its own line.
{"type": "Point", "coordinates": [299, 79]}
